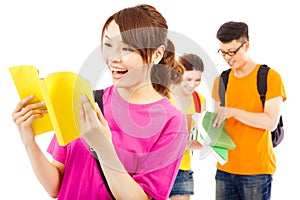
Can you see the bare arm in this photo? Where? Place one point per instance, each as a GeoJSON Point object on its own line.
{"type": "Point", "coordinates": [48, 174]}
{"type": "Point", "coordinates": [265, 120]}
{"type": "Point", "coordinates": [96, 132]}
{"type": "Point", "coordinates": [194, 145]}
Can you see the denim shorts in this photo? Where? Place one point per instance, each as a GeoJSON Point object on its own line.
{"type": "Point", "coordinates": [184, 183]}
{"type": "Point", "coordinates": [233, 186]}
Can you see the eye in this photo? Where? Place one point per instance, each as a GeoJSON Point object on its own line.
{"type": "Point", "coordinates": [107, 44]}
{"type": "Point", "coordinates": [231, 52]}
{"type": "Point", "coordinates": [127, 49]}
{"type": "Point", "coordinates": [223, 52]}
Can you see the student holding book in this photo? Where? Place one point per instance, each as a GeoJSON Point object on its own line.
{"type": "Point", "coordinates": [248, 172]}
{"type": "Point", "coordinates": [139, 138]}
{"type": "Point", "coordinates": [190, 102]}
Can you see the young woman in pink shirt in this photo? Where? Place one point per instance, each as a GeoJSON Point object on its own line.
{"type": "Point", "coordinates": [139, 139]}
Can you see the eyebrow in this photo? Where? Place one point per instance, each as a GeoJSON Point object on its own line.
{"type": "Point", "coordinates": [106, 36]}
{"type": "Point", "coordinates": [230, 49]}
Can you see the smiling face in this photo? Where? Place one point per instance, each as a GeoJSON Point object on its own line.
{"type": "Point", "coordinates": [125, 63]}
{"type": "Point", "coordinates": [234, 53]}
{"type": "Point", "coordinates": [191, 79]}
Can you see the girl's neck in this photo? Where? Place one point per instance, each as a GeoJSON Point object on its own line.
{"type": "Point", "coordinates": [181, 99]}
{"type": "Point", "coordinates": [142, 95]}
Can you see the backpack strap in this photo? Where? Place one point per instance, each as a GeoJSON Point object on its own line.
{"type": "Point", "coordinates": [98, 98]}
{"type": "Point", "coordinates": [223, 85]}
{"type": "Point", "coordinates": [262, 82]}
{"type": "Point", "coordinates": [262, 74]}
{"type": "Point", "coordinates": [197, 102]}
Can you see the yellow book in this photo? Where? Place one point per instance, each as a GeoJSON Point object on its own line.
{"type": "Point", "coordinates": [61, 92]}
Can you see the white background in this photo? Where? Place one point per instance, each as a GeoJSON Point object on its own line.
{"type": "Point", "coordinates": [59, 35]}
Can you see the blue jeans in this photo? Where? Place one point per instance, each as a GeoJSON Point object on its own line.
{"type": "Point", "coordinates": [243, 187]}
{"type": "Point", "coordinates": [184, 183]}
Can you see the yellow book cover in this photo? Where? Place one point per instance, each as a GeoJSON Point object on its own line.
{"type": "Point", "coordinates": [61, 92]}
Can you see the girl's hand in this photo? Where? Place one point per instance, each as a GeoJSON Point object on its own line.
{"type": "Point", "coordinates": [24, 114]}
{"type": "Point", "coordinates": [93, 124]}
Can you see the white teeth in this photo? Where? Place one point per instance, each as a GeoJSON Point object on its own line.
{"type": "Point", "coordinates": [117, 70]}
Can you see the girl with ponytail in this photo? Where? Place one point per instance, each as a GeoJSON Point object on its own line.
{"type": "Point", "coordinates": [139, 138]}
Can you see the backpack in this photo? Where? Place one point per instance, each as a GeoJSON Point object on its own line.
{"type": "Point", "coordinates": [197, 102]}
{"type": "Point", "coordinates": [278, 133]}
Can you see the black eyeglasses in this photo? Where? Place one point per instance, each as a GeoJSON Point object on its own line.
{"type": "Point", "coordinates": [230, 53]}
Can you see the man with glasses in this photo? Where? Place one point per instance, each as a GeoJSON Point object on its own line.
{"type": "Point", "coordinates": [248, 172]}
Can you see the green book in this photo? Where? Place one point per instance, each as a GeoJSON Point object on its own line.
{"type": "Point", "coordinates": [222, 152]}
{"type": "Point", "coordinates": [218, 135]}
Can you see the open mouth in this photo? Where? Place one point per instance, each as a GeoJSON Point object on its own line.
{"type": "Point", "coordinates": [118, 73]}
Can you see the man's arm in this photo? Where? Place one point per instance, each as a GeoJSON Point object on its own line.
{"type": "Point", "coordinates": [265, 120]}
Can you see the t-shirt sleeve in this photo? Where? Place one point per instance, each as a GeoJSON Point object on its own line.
{"type": "Point", "coordinates": [215, 91]}
{"type": "Point", "coordinates": [58, 152]}
{"type": "Point", "coordinates": [275, 86]}
{"type": "Point", "coordinates": [202, 98]}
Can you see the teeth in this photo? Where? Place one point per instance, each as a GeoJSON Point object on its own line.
{"type": "Point", "coordinates": [117, 70]}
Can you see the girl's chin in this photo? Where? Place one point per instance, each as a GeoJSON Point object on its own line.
{"type": "Point", "coordinates": [188, 92]}
{"type": "Point", "coordinates": [115, 81]}
{"type": "Point", "coordinates": [120, 83]}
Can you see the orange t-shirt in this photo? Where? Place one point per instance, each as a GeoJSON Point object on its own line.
{"type": "Point", "coordinates": [254, 151]}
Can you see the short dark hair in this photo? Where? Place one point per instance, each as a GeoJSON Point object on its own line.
{"type": "Point", "coordinates": [191, 62]}
{"type": "Point", "coordinates": [233, 31]}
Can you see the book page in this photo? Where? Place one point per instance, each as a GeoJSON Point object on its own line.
{"type": "Point", "coordinates": [26, 81]}
{"type": "Point", "coordinates": [62, 91]}
{"type": "Point", "coordinates": [215, 140]}
{"type": "Point", "coordinates": [218, 135]}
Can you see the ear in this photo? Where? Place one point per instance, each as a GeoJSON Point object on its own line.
{"type": "Point", "coordinates": [247, 44]}
{"type": "Point", "coordinates": [158, 54]}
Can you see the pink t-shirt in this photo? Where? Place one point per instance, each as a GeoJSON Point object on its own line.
{"type": "Point", "coordinates": [149, 140]}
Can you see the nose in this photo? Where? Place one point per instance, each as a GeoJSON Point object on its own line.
{"type": "Point", "coordinates": [196, 83]}
{"type": "Point", "coordinates": [116, 59]}
{"type": "Point", "coordinates": [192, 84]}
{"type": "Point", "coordinates": [114, 56]}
